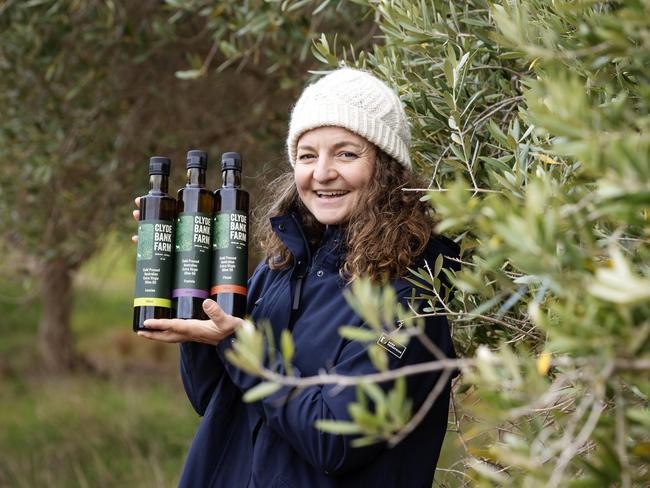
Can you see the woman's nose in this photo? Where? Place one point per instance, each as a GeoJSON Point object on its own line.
{"type": "Point", "coordinates": [324, 170]}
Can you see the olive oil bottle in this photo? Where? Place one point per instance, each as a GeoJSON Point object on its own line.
{"type": "Point", "coordinates": [230, 239]}
{"type": "Point", "coordinates": [154, 263]}
{"type": "Point", "coordinates": [193, 241]}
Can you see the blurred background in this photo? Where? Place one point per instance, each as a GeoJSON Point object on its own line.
{"type": "Point", "coordinates": [89, 90]}
{"type": "Point", "coordinates": [530, 123]}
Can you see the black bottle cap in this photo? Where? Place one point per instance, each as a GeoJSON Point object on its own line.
{"type": "Point", "coordinates": [159, 165]}
{"type": "Point", "coordinates": [231, 160]}
{"type": "Point", "coordinates": [197, 159]}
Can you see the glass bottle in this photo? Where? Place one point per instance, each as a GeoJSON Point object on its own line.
{"type": "Point", "coordinates": [230, 239]}
{"type": "Point", "coordinates": [193, 241]}
{"type": "Point", "coordinates": [154, 262]}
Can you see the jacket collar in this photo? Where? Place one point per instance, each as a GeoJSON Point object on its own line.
{"type": "Point", "coordinates": [289, 230]}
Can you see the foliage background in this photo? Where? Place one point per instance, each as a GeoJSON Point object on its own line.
{"type": "Point", "coordinates": [530, 118]}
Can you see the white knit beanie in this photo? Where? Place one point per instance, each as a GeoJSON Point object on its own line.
{"type": "Point", "coordinates": [357, 101]}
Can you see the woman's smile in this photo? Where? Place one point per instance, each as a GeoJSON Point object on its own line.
{"type": "Point", "coordinates": [331, 194]}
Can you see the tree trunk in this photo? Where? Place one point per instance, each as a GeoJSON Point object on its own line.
{"type": "Point", "coordinates": [56, 343]}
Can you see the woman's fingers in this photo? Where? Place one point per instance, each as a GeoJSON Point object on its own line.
{"type": "Point", "coordinates": [226, 324]}
{"type": "Point", "coordinates": [136, 216]}
{"type": "Point", "coordinates": [156, 324]}
{"type": "Point", "coordinates": [177, 325]}
{"type": "Point", "coordinates": [163, 336]}
{"type": "Point", "coordinates": [183, 330]}
{"type": "Point", "coordinates": [214, 311]}
{"type": "Point", "coordinates": [166, 330]}
{"type": "Point", "coordinates": [210, 331]}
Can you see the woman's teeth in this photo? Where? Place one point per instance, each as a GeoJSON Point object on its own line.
{"type": "Point", "coordinates": [330, 194]}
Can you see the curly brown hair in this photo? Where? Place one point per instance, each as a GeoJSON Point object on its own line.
{"type": "Point", "coordinates": [383, 235]}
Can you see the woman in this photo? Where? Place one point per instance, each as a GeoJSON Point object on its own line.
{"type": "Point", "coordinates": [339, 215]}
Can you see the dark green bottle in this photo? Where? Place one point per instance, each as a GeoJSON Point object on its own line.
{"type": "Point", "coordinates": [154, 263]}
{"type": "Point", "coordinates": [193, 246]}
{"type": "Point", "coordinates": [230, 239]}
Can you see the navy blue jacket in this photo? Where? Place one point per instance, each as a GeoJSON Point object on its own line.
{"type": "Point", "coordinates": [273, 442]}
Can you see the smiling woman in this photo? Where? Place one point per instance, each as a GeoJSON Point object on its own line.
{"type": "Point", "coordinates": [341, 214]}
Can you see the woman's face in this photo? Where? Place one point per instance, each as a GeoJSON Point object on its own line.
{"type": "Point", "coordinates": [333, 166]}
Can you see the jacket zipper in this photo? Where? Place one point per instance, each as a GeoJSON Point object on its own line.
{"type": "Point", "coordinates": [295, 302]}
{"type": "Point", "coordinates": [296, 292]}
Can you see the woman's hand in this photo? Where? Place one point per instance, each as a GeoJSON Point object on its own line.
{"type": "Point", "coordinates": [212, 331]}
{"type": "Point", "coordinates": [136, 216]}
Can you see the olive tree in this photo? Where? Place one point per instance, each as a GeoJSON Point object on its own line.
{"type": "Point", "coordinates": [530, 118]}
{"type": "Point", "coordinates": [89, 90]}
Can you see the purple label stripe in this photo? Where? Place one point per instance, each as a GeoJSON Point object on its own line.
{"type": "Point", "coordinates": [189, 292]}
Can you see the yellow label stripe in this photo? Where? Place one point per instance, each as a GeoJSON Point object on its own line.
{"type": "Point", "coordinates": [152, 302]}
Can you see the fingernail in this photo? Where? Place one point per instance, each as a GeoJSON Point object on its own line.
{"type": "Point", "coordinates": [209, 304]}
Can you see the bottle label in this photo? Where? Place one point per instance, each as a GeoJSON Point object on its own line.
{"type": "Point", "coordinates": [192, 255]}
{"type": "Point", "coordinates": [230, 252]}
{"type": "Point", "coordinates": [153, 269]}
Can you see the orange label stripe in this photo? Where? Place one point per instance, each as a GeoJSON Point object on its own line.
{"type": "Point", "coordinates": [242, 290]}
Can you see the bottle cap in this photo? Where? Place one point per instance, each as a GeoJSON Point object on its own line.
{"type": "Point", "coordinates": [197, 159]}
{"type": "Point", "coordinates": [159, 165]}
{"type": "Point", "coordinates": [231, 160]}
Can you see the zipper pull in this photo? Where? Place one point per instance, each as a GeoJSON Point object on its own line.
{"type": "Point", "coordinates": [296, 293]}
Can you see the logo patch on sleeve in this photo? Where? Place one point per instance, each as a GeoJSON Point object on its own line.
{"type": "Point", "coordinates": [392, 346]}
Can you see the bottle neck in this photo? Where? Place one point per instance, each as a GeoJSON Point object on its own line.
{"type": "Point", "coordinates": [158, 183]}
{"type": "Point", "coordinates": [195, 177]}
{"type": "Point", "coordinates": [231, 178]}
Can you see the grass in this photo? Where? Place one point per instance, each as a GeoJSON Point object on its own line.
{"type": "Point", "coordinates": [126, 424]}
{"type": "Point", "coordinates": [82, 431]}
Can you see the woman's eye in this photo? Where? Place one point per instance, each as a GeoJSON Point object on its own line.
{"type": "Point", "coordinates": [305, 157]}
{"type": "Point", "coordinates": [347, 155]}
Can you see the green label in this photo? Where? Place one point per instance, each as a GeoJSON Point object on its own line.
{"type": "Point", "coordinates": [230, 252]}
{"type": "Point", "coordinates": [153, 269]}
{"type": "Point", "coordinates": [192, 254]}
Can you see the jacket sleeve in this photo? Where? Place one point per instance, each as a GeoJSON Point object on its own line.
{"type": "Point", "coordinates": [292, 414]}
{"type": "Point", "coordinates": [201, 369]}
{"type": "Point", "coordinates": [200, 365]}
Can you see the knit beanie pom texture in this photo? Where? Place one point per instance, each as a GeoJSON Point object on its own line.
{"type": "Point", "coordinates": [357, 101]}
